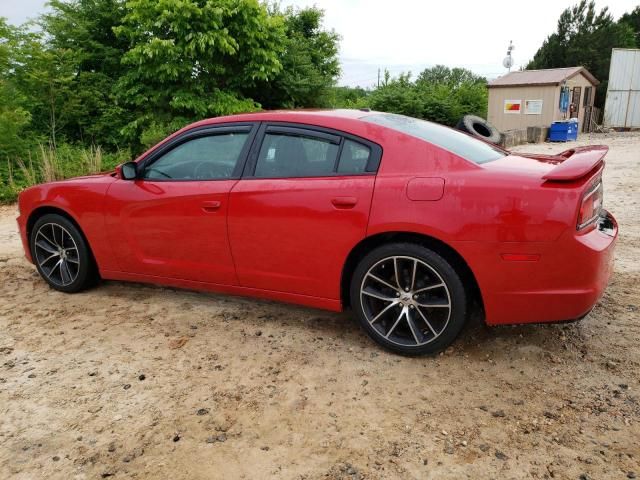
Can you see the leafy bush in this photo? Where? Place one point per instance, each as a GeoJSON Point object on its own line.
{"type": "Point", "coordinates": [439, 94]}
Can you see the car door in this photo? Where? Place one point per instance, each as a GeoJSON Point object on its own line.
{"type": "Point", "coordinates": [301, 206]}
{"type": "Point", "coordinates": [172, 220]}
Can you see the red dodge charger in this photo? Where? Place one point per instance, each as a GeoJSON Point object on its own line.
{"type": "Point", "coordinates": [409, 223]}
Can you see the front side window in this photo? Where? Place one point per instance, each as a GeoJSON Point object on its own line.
{"type": "Point", "coordinates": [284, 155]}
{"type": "Point", "coordinates": [206, 158]}
{"type": "Point", "coordinates": [449, 139]}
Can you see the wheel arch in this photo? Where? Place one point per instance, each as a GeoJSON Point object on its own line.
{"type": "Point", "coordinates": [48, 209]}
{"type": "Point", "coordinates": [456, 260]}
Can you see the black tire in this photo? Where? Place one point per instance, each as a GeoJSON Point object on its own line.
{"type": "Point", "coordinates": [56, 243]}
{"type": "Point", "coordinates": [479, 127]}
{"type": "Point", "coordinates": [415, 323]}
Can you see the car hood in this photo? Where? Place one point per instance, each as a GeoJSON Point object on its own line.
{"type": "Point", "coordinates": [106, 177]}
{"type": "Point", "coordinates": [92, 177]}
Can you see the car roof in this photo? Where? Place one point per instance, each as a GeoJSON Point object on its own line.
{"type": "Point", "coordinates": [302, 115]}
{"type": "Point", "coordinates": [346, 120]}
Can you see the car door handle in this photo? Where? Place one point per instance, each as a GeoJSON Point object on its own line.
{"type": "Point", "coordinates": [344, 202]}
{"type": "Point", "coordinates": [211, 206]}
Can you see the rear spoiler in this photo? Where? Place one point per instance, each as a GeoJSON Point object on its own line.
{"type": "Point", "coordinates": [577, 162]}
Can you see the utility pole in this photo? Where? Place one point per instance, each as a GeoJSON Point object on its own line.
{"type": "Point", "coordinates": [378, 77]}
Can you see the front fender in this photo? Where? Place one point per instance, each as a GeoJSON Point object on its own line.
{"type": "Point", "coordinates": [82, 200]}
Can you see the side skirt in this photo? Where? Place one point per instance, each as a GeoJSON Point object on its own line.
{"type": "Point", "coordinates": [315, 302]}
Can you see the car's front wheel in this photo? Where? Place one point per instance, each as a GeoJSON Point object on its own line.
{"type": "Point", "coordinates": [408, 298]}
{"type": "Point", "coordinates": [61, 254]}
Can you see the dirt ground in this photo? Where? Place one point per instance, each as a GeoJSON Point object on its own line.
{"type": "Point", "coordinates": [134, 381]}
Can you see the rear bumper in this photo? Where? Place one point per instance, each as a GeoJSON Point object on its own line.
{"type": "Point", "coordinates": [564, 282]}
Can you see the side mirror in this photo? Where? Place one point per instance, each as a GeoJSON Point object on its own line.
{"type": "Point", "coordinates": [128, 171]}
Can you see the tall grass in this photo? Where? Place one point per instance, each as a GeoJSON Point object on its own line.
{"type": "Point", "coordinates": [92, 159]}
{"type": "Point", "coordinates": [47, 163]}
{"type": "Point", "coordinates": [50, 169]}
{"type": "Point", "coordinates": [29, 173]}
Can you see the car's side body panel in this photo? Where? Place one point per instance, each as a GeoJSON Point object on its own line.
{"type": "Point", "coordinates": [293, 235]}
{"type": "Point", "coordinates": [171, 229]}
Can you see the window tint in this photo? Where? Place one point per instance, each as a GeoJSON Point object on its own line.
{"type": "Point", "coordinates": [456, 142]}
{"type": "Point", "coordinates": [205, 158]}
{"type": "Point", "coordinates": [354, 157]}
{"type": "Point", "coordinates": [293, 156]}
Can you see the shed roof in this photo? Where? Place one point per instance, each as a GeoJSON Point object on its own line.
{"type": "Point", "coordinates": [550, 76]}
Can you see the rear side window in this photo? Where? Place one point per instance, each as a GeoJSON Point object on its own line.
{"type": "Point", "coordinates": [456, 142]}
{"type": "Point", "coordinates": [353, 158]}
{"type": "Point", "coordinates": [284, 155]}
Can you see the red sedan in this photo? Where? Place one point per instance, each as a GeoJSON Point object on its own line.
{"type": "Point", "coordinates": [409, 223]}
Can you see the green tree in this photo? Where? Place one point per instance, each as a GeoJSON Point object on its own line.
{"type": "Point", "coordinates": [452, 77]}
{"type": "Point", "coordinates": [191, 59]}
{"type": "Point", "coordinates": [310, 64]}
{"type": "Point", "coordinates": [14, 118]}
{"type": "Point", "coordinates": [43, 79]}
{"type": "Point", "coordinates": [632, 19]}
{"type": "Point", "coordinates": [584, 37]}
{"type": "Point", "coordinates": [86, 28]}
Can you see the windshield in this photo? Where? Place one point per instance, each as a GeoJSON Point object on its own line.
{"type": "Point", "coordinates": [456, 142]}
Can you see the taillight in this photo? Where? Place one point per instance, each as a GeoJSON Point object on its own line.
{"type": "Point", "coordinates": [591, 205]}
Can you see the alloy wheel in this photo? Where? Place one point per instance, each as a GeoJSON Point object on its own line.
{"type": "Point", "coordinates": [405, 300]}
{"type": "Point", "coordinates": [56, 253]}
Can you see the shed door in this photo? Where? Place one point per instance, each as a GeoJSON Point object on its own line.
{"type": "Point", "coordinates": [575, 101]}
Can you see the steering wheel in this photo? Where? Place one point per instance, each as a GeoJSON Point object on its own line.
{"type": "Point", "coordinates": [203, 171]}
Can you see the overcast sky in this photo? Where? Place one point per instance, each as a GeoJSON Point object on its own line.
{"type": "Point", "coordinates": [403, 35]}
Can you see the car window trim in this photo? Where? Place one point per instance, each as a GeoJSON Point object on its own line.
{"type": "Point", "coordinates": [340, 147]}
{"type": "Point", "coordinates": [303, 132]}
{"type": "Point", "coordinates": [311, 131]}
{"type": "Point", "coordinates": [199, 132]}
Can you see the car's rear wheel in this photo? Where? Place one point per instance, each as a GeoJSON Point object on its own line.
{"type": "Point", "coordinates": [61, 254]}
{"type": "Point", "coordinates": [408, 299]}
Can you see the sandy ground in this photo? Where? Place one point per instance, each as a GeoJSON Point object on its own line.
{"type": "Point", "coordinates": [133, 381]}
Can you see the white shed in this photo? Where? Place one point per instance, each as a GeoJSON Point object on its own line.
{"type": "Point", "coordinates": [622, 107]}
